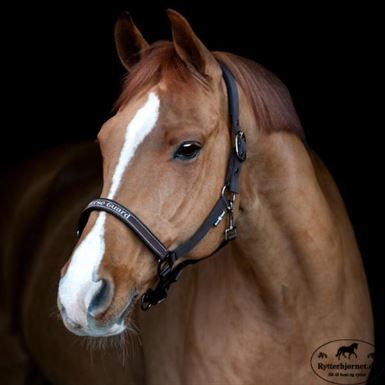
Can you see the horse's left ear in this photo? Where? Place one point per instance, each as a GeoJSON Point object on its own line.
{"type": "Point", "coordinates": [129, 42]}
{"type": "Point", "coordinates": [189, 48]}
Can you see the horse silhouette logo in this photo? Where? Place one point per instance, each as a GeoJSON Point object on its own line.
{"type": "Point", "coordinates": [347, 350]}
{"type": "Point", "coordinates": [343, 361]}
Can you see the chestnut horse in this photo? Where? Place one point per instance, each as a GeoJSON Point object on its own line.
{"type": "Point", "coordinates": [254, 311]}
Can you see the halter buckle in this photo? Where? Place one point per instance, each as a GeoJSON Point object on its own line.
{"type": "Point", "coordinates": [164, 268]}
{"type": "Point", "coordinates": [166, 276]}
{"type": "Point", "coordinates": [240, 145]}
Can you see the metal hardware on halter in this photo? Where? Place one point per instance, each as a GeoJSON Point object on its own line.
{"type": "Point", "coordinates": [167, 275]}
{"type": "Point", "coordinates": [164, 267]}
{"type": "Point", "coordinates": [240, 145]}
{"type": "Point", "coordinates": [152, 297]}
{"type": "Point", "coordinates": [223, 195]}
{"type": "Point", "coordinates": [231, 231]}
{"type": "Point", "coordinates": [144, 303]}
{"type": "Point", "coordinates": [168, 270]}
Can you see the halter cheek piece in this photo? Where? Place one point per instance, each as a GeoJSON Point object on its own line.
{"type": "Point", "coordinates": [167, 272]}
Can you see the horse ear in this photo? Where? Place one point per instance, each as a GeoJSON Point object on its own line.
{"type": "Point", "coordinates": [129, 41]}
{"type": "Point", "coordinates": [189, 48]}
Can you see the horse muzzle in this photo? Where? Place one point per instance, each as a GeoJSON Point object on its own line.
{"type": "Point", "coordinates": [96, 322]}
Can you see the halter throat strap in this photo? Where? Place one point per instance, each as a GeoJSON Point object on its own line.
{"type": "Point", "coordinates": [168, 270]}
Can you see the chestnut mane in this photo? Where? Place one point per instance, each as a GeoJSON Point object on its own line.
{"type": "Point", "coordinates": [269, 98]}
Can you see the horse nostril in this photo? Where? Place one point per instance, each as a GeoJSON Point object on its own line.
{"type": "Point", "coordinates": [102, 299]}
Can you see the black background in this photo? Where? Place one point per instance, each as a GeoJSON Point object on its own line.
{"type": "Point", "coordinates": [62, 77]}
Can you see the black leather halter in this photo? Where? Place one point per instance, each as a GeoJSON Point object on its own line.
{"type": "Point", "coordinates": [168, 270]}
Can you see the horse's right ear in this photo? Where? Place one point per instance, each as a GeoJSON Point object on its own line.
{"type": "Point", "coordinates": [129, 41]}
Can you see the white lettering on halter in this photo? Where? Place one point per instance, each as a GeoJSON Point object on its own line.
{"type": "Point", "coordinates": [78, 286]}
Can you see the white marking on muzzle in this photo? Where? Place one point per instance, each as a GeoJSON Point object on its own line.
{"type": "Point", "coordinates": [79, 284]}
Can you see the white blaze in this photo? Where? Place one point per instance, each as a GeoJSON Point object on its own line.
{"type": "Point", "coordinates": [77, 287]}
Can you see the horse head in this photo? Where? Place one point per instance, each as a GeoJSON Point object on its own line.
{"type": "Point", "coordinates": [165, 154]}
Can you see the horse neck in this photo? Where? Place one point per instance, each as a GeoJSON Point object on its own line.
{"type": "Point", "coordinates": [293, 230]}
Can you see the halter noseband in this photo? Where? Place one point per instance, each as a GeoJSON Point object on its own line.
{"type": "Point", "coordinates": [167, 272]}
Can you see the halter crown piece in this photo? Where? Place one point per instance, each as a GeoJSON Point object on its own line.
{"type": "Point", "coordinates": [168, 270]}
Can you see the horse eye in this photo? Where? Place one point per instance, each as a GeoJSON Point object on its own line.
{"type": "Point", "coordinates": [187, 150]}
